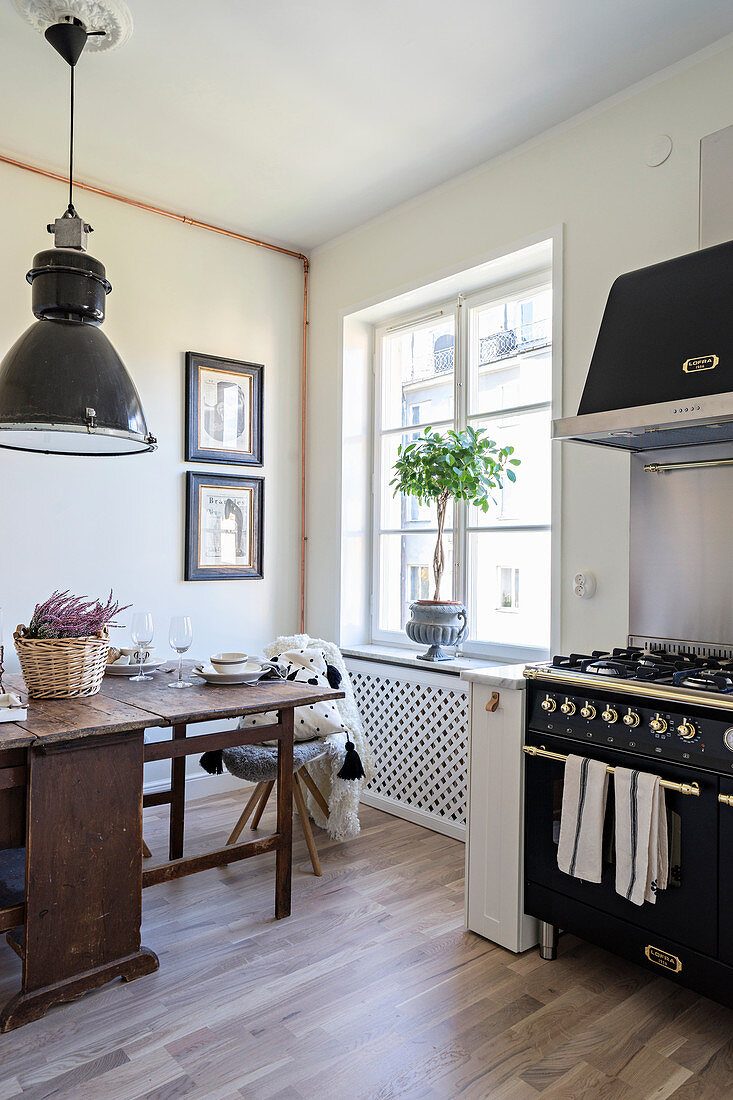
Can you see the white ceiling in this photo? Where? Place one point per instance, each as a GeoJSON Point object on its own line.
{"type": "Point", "coordinates": [298, 120]}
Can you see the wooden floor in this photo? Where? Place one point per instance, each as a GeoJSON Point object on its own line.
{"type": "Point", "coordinates": [371, 989]}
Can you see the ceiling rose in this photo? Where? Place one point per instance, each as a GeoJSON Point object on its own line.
{"type": "Point", "coordinates": [111, 16]}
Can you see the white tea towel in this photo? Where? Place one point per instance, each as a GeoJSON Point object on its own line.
{"type": "Point", "coordinates": [584, 792]}
{"type": "Point", "coordinates": [642, 864]}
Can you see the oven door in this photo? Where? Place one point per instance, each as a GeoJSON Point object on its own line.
{"type": "Point", "coordinates": [725, 862]}
{"type": "Point", "coordinates": [687, 911]}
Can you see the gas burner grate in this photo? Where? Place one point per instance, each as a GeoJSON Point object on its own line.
{"type": "Point", "coordinates": [572, 663]}
{"type": "Point", "coordinates": [714, 679]}
{"type": "Point", "coordinates": [652, 664]}
{"type": "Point", "coordinates": [609, 666]}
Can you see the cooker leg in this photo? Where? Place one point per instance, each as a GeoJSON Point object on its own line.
{"type": "Point", "coordinates": [548, 940]}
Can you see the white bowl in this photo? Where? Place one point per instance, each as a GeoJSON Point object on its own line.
{"type": "Point", "coordinates": [229, 664]}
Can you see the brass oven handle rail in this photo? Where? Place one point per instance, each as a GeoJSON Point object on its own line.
{"type": "Point", "coordinates": [726, 799]}
{"type": "Point", "coordinates": [681, 788]}
{"type": "Point", "coordinates": [625, 687]}
{"type": "Point", "coordinates": [661, 467]}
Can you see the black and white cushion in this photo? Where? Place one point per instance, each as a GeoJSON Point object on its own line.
{"type": "Point", "coordinates": [304, 666]}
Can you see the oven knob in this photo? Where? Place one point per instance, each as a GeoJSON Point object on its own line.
{"type": "Point", "coordinates": [631, 719]}
{"type": "Point", "coordinates": [728, 738]}
{"type": "Point", "coordinates": [568, 708]}
{"type": "Point", "coordinates": [659, 725]}
{"type": "Point", "coordinates": [686, 730]}
{"type": "Point", "coordinates": [609, 715]}
{"type": "Point", "coordinates": [589, 711]}
{"type": "Point", "coordinates": [548, 704]}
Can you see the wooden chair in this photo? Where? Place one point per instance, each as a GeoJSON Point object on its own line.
{"type": "Point", "coordinates": [303, 751]}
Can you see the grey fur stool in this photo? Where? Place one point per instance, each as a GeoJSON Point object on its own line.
{"type": "Point", "coordinates": [258, 764]}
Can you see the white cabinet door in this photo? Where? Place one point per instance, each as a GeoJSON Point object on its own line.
{"type": "Point", "coordinates": [495, 842]}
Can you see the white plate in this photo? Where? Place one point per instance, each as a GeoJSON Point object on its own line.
{"type": "Point", "coordinates": [248, 675]}
{"type": "Point", "coordinates": [120, 668]}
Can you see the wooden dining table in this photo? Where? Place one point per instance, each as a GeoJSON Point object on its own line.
{"type": "Point", "coordinates": [71, 842]}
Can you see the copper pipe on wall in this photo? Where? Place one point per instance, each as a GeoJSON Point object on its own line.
{"type": "Point", "coordinates": [303, 400]}
{"type": "Point", "coordinates": [246, 240]}
{"type": "Point", "coordinates": [151, 209]}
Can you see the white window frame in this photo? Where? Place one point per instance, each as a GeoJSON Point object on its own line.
{"type": "Point", "coordinates": [460, 308]}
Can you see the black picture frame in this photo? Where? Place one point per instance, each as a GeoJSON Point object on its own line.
{"type": "Point", "coordinates": [206, 424]}
{"type": "Point", "coordinates": [243, 512]}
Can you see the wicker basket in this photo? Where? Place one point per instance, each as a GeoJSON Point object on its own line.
{"type": "Point", "coordinates": [60, 668]}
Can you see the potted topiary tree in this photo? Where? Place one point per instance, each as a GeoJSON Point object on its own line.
{"type": "Point", "coordinates": [436, 468]}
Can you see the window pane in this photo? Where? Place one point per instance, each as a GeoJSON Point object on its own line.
{"type": "Point", "coordinates": [528, 500]}
{"type": "Point", "coordinates": [401, 511]}
{"type": "Point", "coordinates": [417, 374]}
{"type": "Point", "coordinates": [406, 574]}
{"type": "Point", "coordinates": [509, 587]}
{"type": "Point", "coordinates": [510, 360]}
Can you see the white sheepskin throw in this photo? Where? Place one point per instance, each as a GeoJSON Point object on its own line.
{"type": "Point", "coordinates": [341, 795]}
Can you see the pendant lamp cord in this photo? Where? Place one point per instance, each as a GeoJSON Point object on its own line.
{"type": "Point", "coordinates": [71, 148]}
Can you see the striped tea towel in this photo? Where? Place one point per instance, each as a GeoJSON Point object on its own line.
{"type": "Point", "coordinates": [642, 863]}
{"type": "Point", "coordinates": [581, 824]}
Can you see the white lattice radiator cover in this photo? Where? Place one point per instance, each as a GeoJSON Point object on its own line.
{"type": "Point", "coordinates": [418, 729]}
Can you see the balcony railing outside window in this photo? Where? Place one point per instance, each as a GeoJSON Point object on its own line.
{"type": "Point", "coordinates": [515, 341]}
{"type": "Point", "coordinates": [492, 349]}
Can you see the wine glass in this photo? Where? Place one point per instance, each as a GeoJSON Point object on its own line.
{"type": "Point", "coordinates": [142, 635]}
{"type": "Point", "coordinates": [180, 637]}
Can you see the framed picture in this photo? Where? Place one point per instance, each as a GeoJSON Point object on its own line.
{"type": "Point", "coordinates": [224, 527]}
{"type": "Point", "coordinates": [223, 410]}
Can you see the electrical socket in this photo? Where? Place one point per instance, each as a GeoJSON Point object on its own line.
{"type": "Point", "coordinates": [584, 585]}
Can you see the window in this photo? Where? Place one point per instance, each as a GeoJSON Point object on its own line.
{"type": "Point", "coordinates": [485, 360]}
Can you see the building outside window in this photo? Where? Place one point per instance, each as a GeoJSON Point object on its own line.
{"type": "Point", "coordinates": [507, 587]}
{"type": "Point", "coordinates": [486, 361]}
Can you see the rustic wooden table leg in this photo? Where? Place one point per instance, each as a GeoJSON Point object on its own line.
{"type": "Point", "coordinates": [178, 799]}
{"type": "Point", "coordinates": [83, 873]}
{"type": "Point", "coordinates": [284, 857]}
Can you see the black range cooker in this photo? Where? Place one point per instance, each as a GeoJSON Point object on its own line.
{"type": "Point", "coordinates": [664, 710]}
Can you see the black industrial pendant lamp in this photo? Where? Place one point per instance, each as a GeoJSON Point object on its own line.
{"type": "Point", "coordinates": [63, 387]}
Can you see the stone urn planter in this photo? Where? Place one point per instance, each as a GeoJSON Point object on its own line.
{"type": "Point", "coordinates": [436, 623]}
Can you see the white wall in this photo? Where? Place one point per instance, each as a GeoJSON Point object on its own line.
{"type": "Point", "coordinates": [618, 215]}
{"type": "Point", "coordinates": [95, 524]}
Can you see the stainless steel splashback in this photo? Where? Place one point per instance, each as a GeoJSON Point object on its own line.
{"type": "Point", "coordinates": [681, 548]}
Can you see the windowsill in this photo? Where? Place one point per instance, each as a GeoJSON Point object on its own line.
{"type": "Point", "coordinates": [399, 655]}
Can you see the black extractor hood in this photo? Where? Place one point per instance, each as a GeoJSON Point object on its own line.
{"type": "Point", "coordinates": [662, 369]}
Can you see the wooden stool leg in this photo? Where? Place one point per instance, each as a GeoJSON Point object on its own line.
{"type": "Point", "coordinates": [305, 822]}
{"type": "Point", "coordinates": [147, 854]}
{"type": "Point", "coordinates": [311, 785]}
{"type": "Point", "coordinates": [244, 818]}
{"type": "Point", "coordinates": [263, 802]}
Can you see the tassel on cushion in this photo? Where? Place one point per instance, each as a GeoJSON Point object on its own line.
{"type": "Point", "coordinates": [212, 762]}
{"type": "Point", "coordinates": [352, 767]}
{"type": "Point", "coordinates": [334, 677]}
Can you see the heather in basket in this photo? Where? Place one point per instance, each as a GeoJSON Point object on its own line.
{"type": "Point", "coordinates": [65, 616]}
{"type": "Point", "coordinates": [63, 651]}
